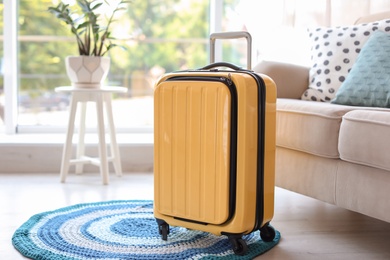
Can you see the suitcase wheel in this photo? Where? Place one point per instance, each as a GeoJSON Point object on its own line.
{"type": "Point", "coordinates": [267, 233]}
{"type": "Point", "coordinates": [238, 244]}
{"type": "Point", "coordinates": [163, 230]}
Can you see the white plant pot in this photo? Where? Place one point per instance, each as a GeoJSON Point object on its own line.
{"type": "Point", "coordinates": [87, 71]}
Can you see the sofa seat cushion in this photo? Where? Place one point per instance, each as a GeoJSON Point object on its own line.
{"type": "Point", "coordinates": [311, 127]}
{"type": "Point", "coordinates": [365, 138]}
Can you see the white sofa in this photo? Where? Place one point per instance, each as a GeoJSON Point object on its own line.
{"type": "Point", "coordinates": [339, 154]}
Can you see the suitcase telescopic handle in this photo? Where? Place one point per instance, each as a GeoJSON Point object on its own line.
{"type": "Point", "coordinates": [232, 35]}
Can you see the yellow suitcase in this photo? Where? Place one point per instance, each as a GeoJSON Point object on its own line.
{"type": "Point", "coordinates": [214, 151]}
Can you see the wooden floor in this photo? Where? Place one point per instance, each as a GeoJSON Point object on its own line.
{"type": "Point", "coordinates": [310, 229]}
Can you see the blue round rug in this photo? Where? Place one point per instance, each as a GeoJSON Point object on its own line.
{"type": "Point", "coordinates": [121, 230]}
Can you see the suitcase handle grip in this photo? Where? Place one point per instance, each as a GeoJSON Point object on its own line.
{"type": "Point", "coordinates": [221, 64]}
{"type": "Point", "coordinates": [232, 35]}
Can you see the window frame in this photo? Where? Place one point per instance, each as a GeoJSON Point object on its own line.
{"type": "Point", "coordinates": [10, 14]}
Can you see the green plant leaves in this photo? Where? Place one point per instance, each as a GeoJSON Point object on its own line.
{"type": "Point", "coordinates": [91, 35]}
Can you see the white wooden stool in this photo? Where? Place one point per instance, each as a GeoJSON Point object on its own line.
{"type": "Point", "coordinates": [101, 96]}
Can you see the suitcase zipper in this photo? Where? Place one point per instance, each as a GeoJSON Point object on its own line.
{"type": "Point", "coordinates": [233, 133]}
{"type": "Point", "coordinates": [226, 80]}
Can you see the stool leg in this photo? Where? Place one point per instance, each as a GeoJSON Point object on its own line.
{"type": "Point", "coordinates": [67, 151]}
{"type": "Point", "coordinates": [102, 141]}
{"type": "Point", "coordinates": [114, 145]}
{"type": "Point", "coordinates": [81, 143]}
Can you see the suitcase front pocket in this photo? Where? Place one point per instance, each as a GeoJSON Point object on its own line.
{"type": "Point", "coordinates": [195, 126]}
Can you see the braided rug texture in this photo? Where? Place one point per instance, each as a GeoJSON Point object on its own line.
{"type": "Point", "coordinates": [120, 230]}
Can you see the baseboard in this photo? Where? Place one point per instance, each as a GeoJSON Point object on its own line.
{"type": "Point", "coordinates": [35, 155]}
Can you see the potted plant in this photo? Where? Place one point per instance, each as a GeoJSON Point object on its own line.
{"type": "Point", "coordinates": [93, 37]}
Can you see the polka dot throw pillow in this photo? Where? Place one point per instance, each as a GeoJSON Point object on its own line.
{"type": "Point", "coordinates": [333, 53]}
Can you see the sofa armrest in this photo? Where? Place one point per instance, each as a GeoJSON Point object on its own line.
{"type": "Point", "coordinates": [291, 80]}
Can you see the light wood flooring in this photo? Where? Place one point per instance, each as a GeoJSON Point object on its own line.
{"type": "Point", "coordinates": [310, 229]}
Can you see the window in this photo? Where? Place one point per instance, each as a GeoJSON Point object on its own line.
{"type": "Point", "coordinates": [158, 36]}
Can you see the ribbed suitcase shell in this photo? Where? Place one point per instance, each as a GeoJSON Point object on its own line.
{"type": "Point", "coordinates": [192, 159]}
{"type": "Point", "coordinates": [192, 154]}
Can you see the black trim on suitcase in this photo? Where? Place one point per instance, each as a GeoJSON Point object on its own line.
{"type": "Point", "coordinates": [260, 149]}
{"type": "Point", "coordinates": [233, 136]}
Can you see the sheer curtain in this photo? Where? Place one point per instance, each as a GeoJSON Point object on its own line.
{"type": "Point", "coordinates": [279, 27]}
